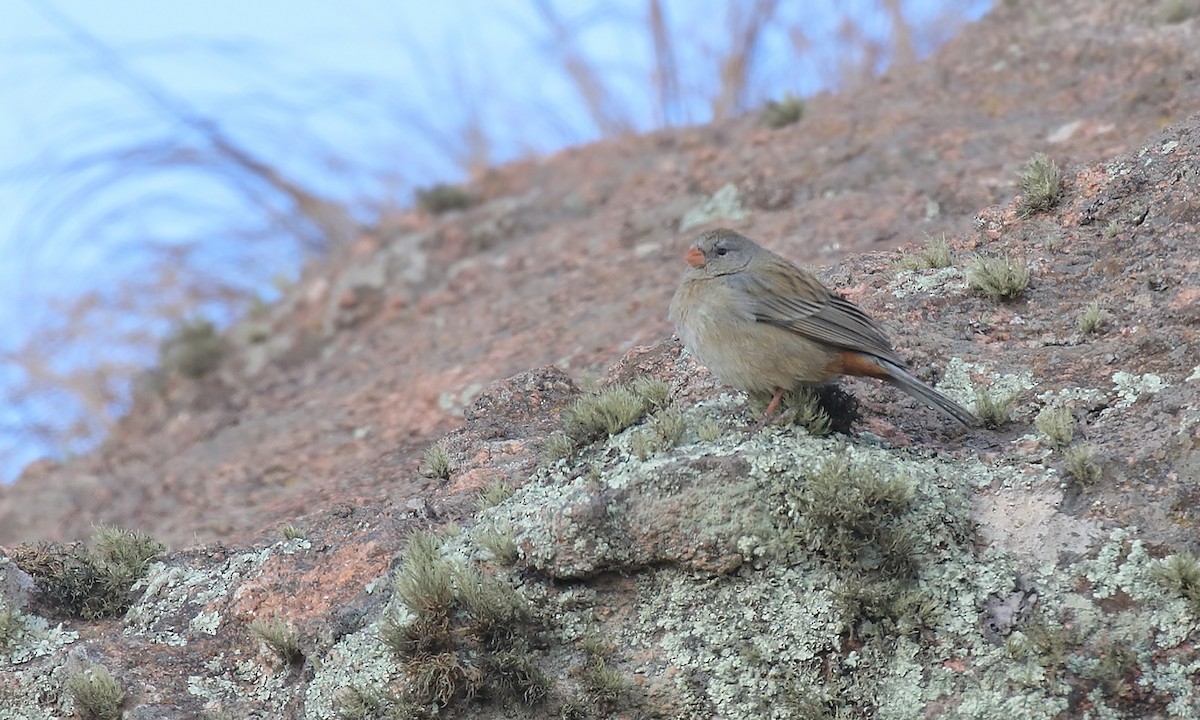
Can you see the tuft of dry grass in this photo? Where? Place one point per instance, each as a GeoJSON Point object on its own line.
{"type": "Point", "coordinates": [281, 637]}
{"type": "Point", "coordinates": [1056, 423]}
{"type": "Point", "coordinates": [992, 409]}
{"type": "Point", "coordinates": [1041, 184]}
{"type": "Point", "coordinates": [435, 462]}
{"type": "Point", "coordinates": [1000, 278]}
{"type": "Point", "coordinates": [935, 254]}
{"type": "Point", "coordinates": [1081, 464]}
{"type": "Point", "coordinates": [1092, 319]}
{"type": "Point", "coordinates": [97, 695]}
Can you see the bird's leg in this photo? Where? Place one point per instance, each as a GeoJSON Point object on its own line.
{"type": "Point", "coordinates": [771, 406]}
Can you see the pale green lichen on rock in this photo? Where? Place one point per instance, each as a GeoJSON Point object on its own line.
{"type": "Point", "coordinates": [1129, 387]}
{"type": "Point", "coordinates": [724, 204]}
{"type": "Point", "coordinates": [358, 660]}
{"type": "Point", "coordinates": [957, 383]}
{"type": "Point", "coordinates": [36, 639]}
{"type": "Point", "coordinates": [169, 592]}
{"type": "Point", "coordinates": [799, 622]}
{"type": "Point", "coordinates": [940, 281]}
{"type": "Point", "coordinates": [746, 644]}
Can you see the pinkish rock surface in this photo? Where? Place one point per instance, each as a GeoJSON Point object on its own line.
{"type": "Point", "coordinates": [697, 572]}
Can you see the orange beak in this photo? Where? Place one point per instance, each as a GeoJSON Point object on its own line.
{"type": "Point", "coordinates": [695, 258]}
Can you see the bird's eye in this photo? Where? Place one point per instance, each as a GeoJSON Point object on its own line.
{"type": "Point", "coordinates": [721, 251]}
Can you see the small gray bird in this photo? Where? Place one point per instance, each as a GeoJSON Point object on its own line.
{"type": "Point", "coordinates": [762, 325]}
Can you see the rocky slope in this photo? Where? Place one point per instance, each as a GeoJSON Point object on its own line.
{"type": "Point", "coordinates": [685, 566]}
{"type": "Point", "coordinates": [332, 394]}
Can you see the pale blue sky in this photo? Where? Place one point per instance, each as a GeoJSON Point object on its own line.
{"type": "Point", "coordinates": [362, 99]}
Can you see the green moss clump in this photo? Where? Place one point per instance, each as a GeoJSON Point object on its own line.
{"type": "Point", "coordinates": [558, 446]}
{"type": "Point", "coordinates": [499, 542]}
{"type": "Point", "coordinates": [441, 679]}
{"type": "Point", "coordinates": [356, 703]}
{"type": "Point", "coordinates": [665, 431]}
{"type": "Point", "coordinates": [820, 410]}
{"type": "Point", "coordinates": [1176, 11]}
{"type": "Point", "coordinates": [494, 493]}
{"type": "Point", "coordinates": [854, 518]}
{"type": "Point", "coordinates": [653, 392]}
{"type": "Point", "coordinates": [668, 427]}
{"type": "Point", "coordinates": [468, 635]}
{"type": "Point", "coordinates": [494, 612]}
{"type": "Point", "coordinates": [443, 198]}
{"type": "Point", "coordinates": [194, 349]}
{"type": "Point", "coordinates": [424, 581]}
{"type": "Point", "coordinates": [75, 581]}
{"type": "Point", "coordinates": [781, 113]}
{"type": "Point", "coordinates": [802, 406]}
{"type": "Point", "coordinates": [423, 635]}
{"type": "Point", "coordinates": [604, 684]}
{"type": "Point", "coordinates": [708, 430]}
{"type": "Point", "coordinates": [608, 413]}
{"type": "Point", "coordinates": [291, 532]}
{"type": "Point", "coordinates": [513, 675]}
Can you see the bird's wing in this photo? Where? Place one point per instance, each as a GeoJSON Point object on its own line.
{"type": "Point", "coordinates": [797, 302]}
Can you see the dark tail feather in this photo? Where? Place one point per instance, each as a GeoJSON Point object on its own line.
{"type": "Point", "coordinates": [905, 380]}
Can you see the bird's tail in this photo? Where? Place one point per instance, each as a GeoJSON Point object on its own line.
{"type": "Point", "coordinates": [907, 382]}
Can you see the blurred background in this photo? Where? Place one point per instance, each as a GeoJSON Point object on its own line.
{"type": "Point", "coordinates": [165, 166]}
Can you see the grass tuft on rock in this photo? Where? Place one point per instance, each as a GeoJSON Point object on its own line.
{"type": "Point", "coordinates": [435, 462]}
{"type": "Point", "coordinates": [607, 413]}
{"type": "Point", "coordinates": [281, 638]}
{"type": "Point", "coordinates": [1057, 424]}
{"type": "Point", "coordinates": [1092, 319]}
{"type": "Point", "coordinates": [936, 254]}
{"type": "Point", "coordinates": [1041, 184]}
{"type": "Point", "coordinates": [1081, 464]}
{"type": "Point", "coordinates": [1180, 573]}
{"type": "Point", "coordinates": [97, 695]}
{"type": "Point", "coordinates": [999, 278]}
{"type": "Point", "coordinates": [992, 409]}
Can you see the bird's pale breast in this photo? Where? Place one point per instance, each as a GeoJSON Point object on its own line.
{"type": "Point", "coordinates": [717, 325]}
